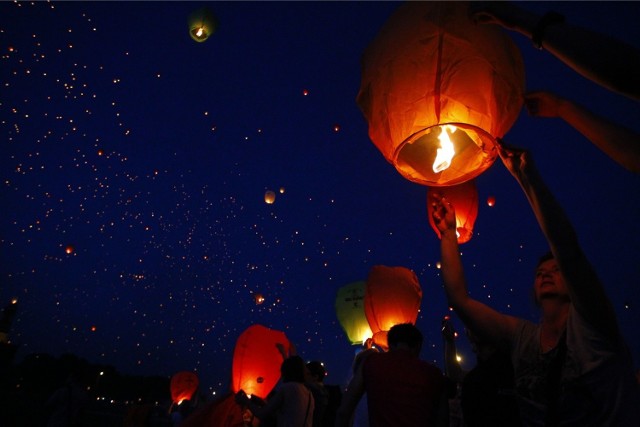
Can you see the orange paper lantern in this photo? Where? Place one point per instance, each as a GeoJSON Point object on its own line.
{"type": "Point", "coordinates": [257, 360]}
{"type": "Point", "coordinates": [393, 296]}
{"type": "Point", "coordinates": [435, 85]}
{"type": "Point", "coordinates": [269, 197]}
{"type": "Point", "coordinates": [183, 385]}
{"type": "Point", "coordinates": [464, 198]}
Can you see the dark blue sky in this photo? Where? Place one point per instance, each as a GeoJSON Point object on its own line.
{"type": "Point", "coordinates": [150, 155]}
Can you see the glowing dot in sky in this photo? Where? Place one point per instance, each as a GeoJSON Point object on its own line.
{"type": "Point", "coordinates": [336, 128]}
{"type": "Point", "coordinates": [281, 190]}
{"type": "Point", "coordinates": [69, 249]}
{"type": "Point", "coordinates": [93, 329]}
{"type": "Point", "coordinates": [259, 299]}
{"type": "Point", "coordinates": [305, 92]}
{"type": "Point", "coordinates": [100, 152]}
{"type": "Point", "coordinates": [491, 201]}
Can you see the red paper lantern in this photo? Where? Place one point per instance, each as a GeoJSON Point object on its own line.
{"type": "Point", "coordinates": [432, 77]}
{"type": "Point", "coordinates": [183, 385]}
{"type": "Point", "coordinates": [464, 198]}
{"type": "Point", "coordinates": [257, 360]}
{"type": "Point", "coordinates": [393, 296]}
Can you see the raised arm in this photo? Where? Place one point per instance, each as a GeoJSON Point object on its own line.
{"type": "Point", "coordinates": [490, 324]}
{"type": "Point", "coordinates": [602, 59]}
{"type": "Point", "coordinates": [352, 395]}
{"type": "Point", "coordinates": [585, 290]}
{"type": "Point", "coordinates": [618, 142]}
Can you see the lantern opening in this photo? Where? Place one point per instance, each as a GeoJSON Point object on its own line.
{"type": "Point", "coordinates": [420, 158]}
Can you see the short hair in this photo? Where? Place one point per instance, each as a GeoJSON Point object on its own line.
{"type": "Point", "coordinates": [405, 333]}
{"type": "Point", "coordinates": [544, 258]}
{"type": "Point", "coordinates": [292, 369]}
{"type": "Point", "coordinates": [317, 369]}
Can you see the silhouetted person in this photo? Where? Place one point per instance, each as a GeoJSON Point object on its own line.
{"type": "Point", "coordinates": [66, 406]}
{"type": "Point", "coordinates": [401, 389]}
{"type": "Point", "coordinates": [488, 395]}
{"type": "Point", "coordinates": [315, 383]}
{"type": "Point", "coordinates": [292, 402]}
{"type": "Point", "coordinates": [573, 368]}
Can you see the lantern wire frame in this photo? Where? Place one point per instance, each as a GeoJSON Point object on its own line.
{"type": "Point", "coordinates": [475, 151]}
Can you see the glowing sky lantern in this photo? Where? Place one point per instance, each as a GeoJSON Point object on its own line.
{"type": "Point", "coordinates": [350, 312]}
{"type": "Point", "coordinates": [183, 385]}
{"type": "Point", "coordinates": [69, 249]}
{"type": "Point", "coordinates": [256, 360]}
{"type": "Point", "coordinates": [491, 201]}
{"type": "Point", "coordinates": [269, 197]}
{"type": "Point", "coordinates": [464, 198]}
{"type": "Point", "coordinates": [259, 298]}
{"type": "Point", "coordinates": [437, 90]}
{"type": "Point", "coordinates": [393, 296]}
{"type": "Point", "coordinates": [202, 23]}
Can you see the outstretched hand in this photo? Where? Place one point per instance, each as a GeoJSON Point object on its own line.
{"type": "Point", "coordinates": [503, 13]}
{"type": "Point", "coordinates": [444, 215]}
{"type": "Point", "coordinates": [517, 160]}
{"type": "Point", "coordinates": [543, 104]}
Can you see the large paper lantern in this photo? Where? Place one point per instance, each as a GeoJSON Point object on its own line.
{"type": "Point", "coordinates": [350, 312]}
{"type": "Point", "coordinates": [257, 360]}
{"type": "Point", "coordinates": [393, 296]}
{"type": "Point", "coordinates": [437, 90]}
{"type": "Point", "coordinates": [464, 198]}
{"type": "Point", "coordinates": [183, 384]}
{"type": "Point", "coordinates": [202, 23]}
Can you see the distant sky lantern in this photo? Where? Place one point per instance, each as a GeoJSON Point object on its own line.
{"type": "Point", "coordinates": [183, 385]}
{"type": "Point", "coordinates": [437, 90]}
{"type": "Point", "coordinates": [281, 190]}
{"type": "Point", "coordinates": [350, 312]}
{"type": "Point", "coordinates": [256, 360]}
{"type": "Point", "coordinates": [393, 295]}
{"type": "Point", "coordinates": [269, 197]}
{"type": "Point", "coordinates": [202, 23]}
{"type": "Point", "coordinates": [259, 298]}
{"type": "Point", "coordinates": [464, 198]}
{"type": "Point", "coordinates": [491, 201]}
{"type": "Point", "coordinates": [69, 249]}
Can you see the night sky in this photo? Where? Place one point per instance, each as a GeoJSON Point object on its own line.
{"type": "Point", "coordinates": [134, 163]}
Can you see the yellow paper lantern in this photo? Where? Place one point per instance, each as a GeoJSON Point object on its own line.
{"type": "Point", "coordinates": [350, 312]}
{"type": "Point", "coordinates": [432, 76]}
{"type": "Point", "coordinates": [202, 23]}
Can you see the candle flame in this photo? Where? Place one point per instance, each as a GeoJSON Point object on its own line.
{"type": "Point", "coordinates": [200, 32]}
{"type": "Point", "coordinates": [445, 152]}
